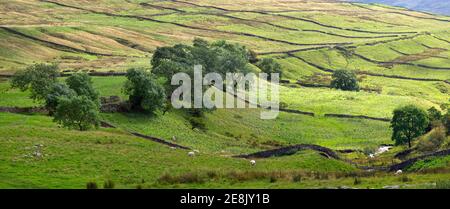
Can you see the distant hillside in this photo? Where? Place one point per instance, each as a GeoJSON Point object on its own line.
{"type": "Point", "coordinates": [434, 6]}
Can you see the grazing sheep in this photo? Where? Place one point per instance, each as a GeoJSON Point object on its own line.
{"type": "Point", "coordinates": [253, 162]}
{"type": "Point", "coordinates": [196, 151]}
{"type": "Point", "coordinates": [398, 172]}
{"type": "Point", "coordinates": [191, 154]}
{"type": "Point", "coordinates": [174, 138]}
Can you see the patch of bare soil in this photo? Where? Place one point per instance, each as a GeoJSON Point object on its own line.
{"type": "Point", "coordinates": [101, 63]}
{"type": "Point", "coordinates": [420, 56]}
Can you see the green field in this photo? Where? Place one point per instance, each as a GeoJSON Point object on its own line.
{"type": "Point", "coordinates": [403, 54]}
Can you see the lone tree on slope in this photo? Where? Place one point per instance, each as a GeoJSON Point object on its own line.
{"type": "Point", "coordinates": [345, 80]}
{"type": "Point", "coordinates": [409, 122]}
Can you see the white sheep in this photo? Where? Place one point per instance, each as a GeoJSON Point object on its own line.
{"type": "Point", "coordinates": [191, 154]}
{"type": "Point", "coordinates": [253, 162]}
{"type": "Point", "coordinates": [196, 151]}
{"type": "Point", "coordinates": [398, 172]}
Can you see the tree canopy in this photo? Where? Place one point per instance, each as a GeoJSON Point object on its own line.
{"type": "Point", "coordinates": [345, 80]}
{"type": "Point", "coordinates": [82, 84]}
{"type": "Point", "coordinates": [145, 93]}
{"type": "Point", "coordinates": [409, 122]}
{"type": "Point", "coordinates": [269, 65]}
{"type": "Point", "coordinates": [77, 112]}
{"type": "Point", "coordinates": [73, 105]}
{"type": "Point", "coordinates": [220, 57]}
{"type": "Point", "coordinates": [56, 91]}
{"type": "Point", "coordinates": [38, 78]}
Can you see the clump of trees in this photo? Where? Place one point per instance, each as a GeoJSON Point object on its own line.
{"type": "Point", "coordinates": [145, 93]}
{"type": "Point", "coordinates": [344, 80]}
{"type": "Point", "coordinates": [439, 120]}
{"type": "Point", "coordinates": [219, 57]}
{"type": "Point", "coordinates": [73, 104]}
{"type": "Point", "coordinates": [411, 122]}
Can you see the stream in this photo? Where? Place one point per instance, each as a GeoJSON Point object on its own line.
{"type": "Point", "coordinates": [381, 150]}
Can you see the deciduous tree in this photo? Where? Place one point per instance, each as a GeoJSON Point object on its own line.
{"type": "Point", "coordinates": [408, 123]}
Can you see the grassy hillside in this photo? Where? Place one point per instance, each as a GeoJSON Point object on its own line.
{"type": "Point", "coordinates": [400, 57]}
{"type": "Point", "coordinates": [71, 159]}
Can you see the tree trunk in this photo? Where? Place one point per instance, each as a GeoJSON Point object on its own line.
{"type": "Point", "coordinates": [409, 143]}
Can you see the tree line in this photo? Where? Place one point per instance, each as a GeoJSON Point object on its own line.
{"type": "Point", "coordinates": [75, 103]}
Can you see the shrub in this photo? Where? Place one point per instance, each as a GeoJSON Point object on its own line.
{"type": "Point", "coordinates": [108, 184]}
{"type": "Point", "coordinates": [434, 114]}
{"type": "Point", "coordinates": [91, 185]}
{"type": "Point", "coordinates": [433, 140]}
{"type": "Point", "coordinates": [344, 80]}
{"type": "Point", "coordinates": [426, 146]}
{"type": "Point", "coordinates": [167, 107]}
{"type": "Point", "coordinates": [442, 87]}
{"type": "Point", "coordinates": [197, 123]}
